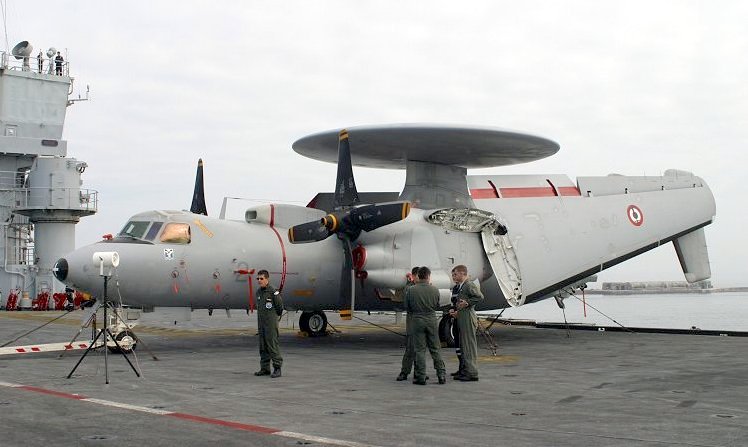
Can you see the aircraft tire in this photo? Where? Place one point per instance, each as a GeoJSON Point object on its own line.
{"type": "Point", "coordinates": [313, 323]}
{"type": "Point", "coordinates": [126, 339]}
{"type": "Point", "coordinates": [446, 336]}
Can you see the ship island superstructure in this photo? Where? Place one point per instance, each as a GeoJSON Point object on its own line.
{"type": "Point", "coordinates": [41, 199]}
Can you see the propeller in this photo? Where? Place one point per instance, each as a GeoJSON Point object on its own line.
{"type": "Point", "coordinates": [198, 197]}
{"type": "Point", "coordinates": [350, 223]}
{"type": "Point", "coordinates": [347, 221]}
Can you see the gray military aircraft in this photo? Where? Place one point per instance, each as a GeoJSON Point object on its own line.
{"type": "Point", "coordinates": [524, 237]}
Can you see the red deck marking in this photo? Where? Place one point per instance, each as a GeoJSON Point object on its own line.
{"type": "Point", "coordinates": [283, 247]}
{"type": "Point", "coordinates": [20, 350]}
{"type": "Point", "coordinates": [190, 417]}
{"type": "Point", "coordinates": [35, 350]}
{"type": "Point", "coordinates": [236, 425]}
{"type": "Point", "coordinates": [51, 392]}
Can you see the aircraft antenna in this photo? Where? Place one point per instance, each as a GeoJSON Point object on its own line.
{"type": "Point", "coordinates": [4, 7]}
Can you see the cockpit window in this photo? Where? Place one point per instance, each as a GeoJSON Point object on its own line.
{"type": "Point", "coordinates": [134, 229]}
{"type": "Point", "coordinates": [176, 233]}
{"type": "Point", "coordinates": [153, 230]}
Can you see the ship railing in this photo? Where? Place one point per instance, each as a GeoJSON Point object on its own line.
{"type": "Point", "coordinates": [12, 179]}
{"type": "Point", "coordinates": [43, 65]}
{"type": "Point", "coordinates": [45, 198]}
{"type": "Point", "coordinates": [19, 245]}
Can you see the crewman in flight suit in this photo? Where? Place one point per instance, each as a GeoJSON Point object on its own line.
{"type": "Point", "coordinates": [421, 303]}
{"type": "Point", "coordinates": [410, 352]}
{"type": "Point", "coordinates": [468, 295]}
{"type": "Point", "coordinates": [269, 309]}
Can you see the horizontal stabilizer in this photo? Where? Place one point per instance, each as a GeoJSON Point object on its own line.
{"type": "Point", "coordinates": [693, 256]}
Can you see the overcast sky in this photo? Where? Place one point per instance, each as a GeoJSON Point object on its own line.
{"type": "Point", "coordinates": [632, 87]}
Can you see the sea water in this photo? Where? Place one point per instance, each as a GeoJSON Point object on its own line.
{"type": "Point", "coordinates": [715, 311]}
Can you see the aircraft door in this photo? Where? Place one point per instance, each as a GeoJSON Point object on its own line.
{"type": "Point", "coordinates": [496, 243]}
{"type": "Point", "coordinates": [503, 260]}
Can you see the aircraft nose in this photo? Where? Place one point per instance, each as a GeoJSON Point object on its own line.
{"type": "Point", "coordinates": [60, 270]}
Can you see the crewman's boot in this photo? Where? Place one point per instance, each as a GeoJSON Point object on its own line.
{"type": "Point", "coordinates": [401, 377]}
{"type": "Point", "coordinates": [460, 367]}
{"type": "Point", "coordinates": [276, 373]}
{"type": "Point", "coordinates": [263, 372]}
{"type": "Point", "coordinates": [442, 380]}
{"type": "Point", "coordinates": [466, 378]}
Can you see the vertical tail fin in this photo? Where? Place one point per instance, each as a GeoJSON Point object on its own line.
{"type": "Point", "coordinates": [198, 196]}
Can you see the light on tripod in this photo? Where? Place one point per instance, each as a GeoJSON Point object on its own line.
{"type": "Point", "coordinates": [108, 259]}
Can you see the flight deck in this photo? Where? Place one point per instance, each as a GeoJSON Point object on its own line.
{"type": "Point", "coordinates": [545, 387]}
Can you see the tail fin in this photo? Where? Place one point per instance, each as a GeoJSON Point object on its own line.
{"type": "Point", "coordinates": [198, 196]}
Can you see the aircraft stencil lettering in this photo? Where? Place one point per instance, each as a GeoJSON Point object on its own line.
{"type": "Point", "coordinates": [524, 237]}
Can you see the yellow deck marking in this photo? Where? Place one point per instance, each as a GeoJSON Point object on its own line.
{"type": "Point", "coordinates": [498, 358]}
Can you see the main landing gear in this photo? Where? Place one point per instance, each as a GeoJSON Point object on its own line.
{"type": "Point", "coordinates": [313, 323]}
{"type": "Point", "coordinates": [447, 331]}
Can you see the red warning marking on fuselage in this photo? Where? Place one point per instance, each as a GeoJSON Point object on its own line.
{"type": "Point", "coordinates": [635, 215]}
{"type": "Point", "coordinates": [527, 192]}
{"type": "Point", "coordinates": [282, 247]}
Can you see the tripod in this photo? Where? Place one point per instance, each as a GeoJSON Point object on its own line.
{"type": "Point", "coordinates": [107, 333]}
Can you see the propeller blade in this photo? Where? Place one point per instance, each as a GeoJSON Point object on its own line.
{"type": "Point", "coordinates": [198, 197]}
{"type": "Point", "coordinates": [371, 217]}
{"type": "Point", "coordinates": [308, 232]}
{"type": "Point", "coordinates": [347, 283]}
{"type": "Point", "coordinates": [346, 194]}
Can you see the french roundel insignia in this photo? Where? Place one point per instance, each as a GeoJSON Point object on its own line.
{"type": "Point", "coordinates": [636, 217]}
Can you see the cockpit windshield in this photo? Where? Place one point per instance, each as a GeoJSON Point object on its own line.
{"type": "Point", "coordinates": [135, 229]}
{"type": "Point", "coordinates": [147, 231]}
{"type": "Point", "coordinates": [153, 231]}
